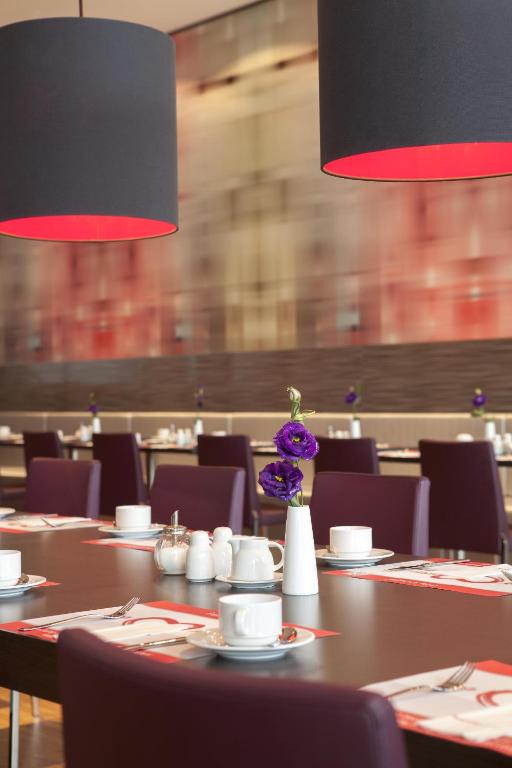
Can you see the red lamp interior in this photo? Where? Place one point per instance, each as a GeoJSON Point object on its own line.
{"type": "Point", "coordinates": [436, 162]}
{"type": "Point", "coordinates": [86, 228]}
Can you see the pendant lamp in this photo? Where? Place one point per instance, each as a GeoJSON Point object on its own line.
{"type": "Point", "coordinates": [88, 131]}
{"type": "Point", "coordinates": [415, 89]}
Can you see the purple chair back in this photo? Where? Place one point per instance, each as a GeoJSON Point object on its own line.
{"type": "Point", "coordinates": [232, 451]}
{"type": "Point", "coordinates": [121, 471]}
{"type": "Point", "coordinates": [45, 445]}
{"type": "Point", "coordinates": [347, 455]}
{"type": "Point", "coordinates": [300, 723]}
{"type": "Point", "coordinates": [206, 496]}
{"type": "Point", "coordinates": [63, 487]}
{"type": "Point", "coordinates": [466, 502]}
{"type": "Point", "coordinates": [395, 507]}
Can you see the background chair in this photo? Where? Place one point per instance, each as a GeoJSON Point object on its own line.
{"type": "Point", "coordinates": [467, 510]}
{"type": "Point", "coordinates": [300, 723]}
{"type": "Point", "coordinates": [235, 451]}
{"type": "Point", "coordinates": [347, 455]}
{"type": "Point", "coordinates": [121, 471]}
{"type": "Point", "coordinates": [207, 497]}
{"type": "Point", "coordinates": [395, 507]}
{"type": "Point", "coordinates": [63, 487]}
{"type": "Point", "coordinates": [40, 445]}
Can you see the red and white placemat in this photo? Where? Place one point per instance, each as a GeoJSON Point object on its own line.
{"type": "Point", "coordinates": [472, 578]}
{"type": "Point", "coordinates": [146, 545]}
{"type": "Point", "coordinates": [479, 715]}
{"type": "Point", "coordinates": [37, 524]}
{"type": "Point", "coordinates": [145, 622]}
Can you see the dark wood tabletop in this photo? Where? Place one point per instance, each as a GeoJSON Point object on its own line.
{"type": "Point", "coordinates": [386, 630]}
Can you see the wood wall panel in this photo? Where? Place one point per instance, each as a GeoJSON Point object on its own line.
{"type": "Point", "coordinates": [407, 377]}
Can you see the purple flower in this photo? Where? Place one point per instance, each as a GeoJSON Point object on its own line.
{"type": "Point", "coordinates": [294, 441]}
{"type": "Point", "coordinates": [93, 408]}
{"type": "Point", "coordinates": [200, 398]}
{"type": "Point", "coordinates": [479, 399]}
{"type": "Point", "coordinates": [281, 480]}
{"type": "Point", "coordinates": [351, 397]}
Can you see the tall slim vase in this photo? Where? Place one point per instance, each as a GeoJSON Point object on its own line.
{"type": "Point", "coordinates": [300, 575]}
{"type": "Point", "coordinates": [96, 425]}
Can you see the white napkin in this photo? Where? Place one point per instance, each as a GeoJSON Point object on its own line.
{"type": "Point", "coordinates": [151, 628]}
{"type": "Point", "coordinates": [492, 723]}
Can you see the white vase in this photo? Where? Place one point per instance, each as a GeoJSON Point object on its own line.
{"type": "Point", "coordinates": [300, 576]}
{"type": "Point", "coordinates": [355, 428]}
{"type": "Point", "coordinates": [96, 425]}
{"type": "Point", "coordinates": [198, 427]}
{"type": "Point", "coordinates": [490, 430]}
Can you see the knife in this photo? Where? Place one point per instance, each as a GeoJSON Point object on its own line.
{"type": "Point", "coordinates": [427, 565]}
{"type": "Point", "coordinates": [156, 643]}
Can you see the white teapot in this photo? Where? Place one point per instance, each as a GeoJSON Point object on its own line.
{"type": "Point", "coordinates": [252, 559]}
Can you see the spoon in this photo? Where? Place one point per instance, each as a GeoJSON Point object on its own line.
{"type": "Point", "coordinates": [23, 579]}
{"type": "Point", "coordinates": [287, 636]}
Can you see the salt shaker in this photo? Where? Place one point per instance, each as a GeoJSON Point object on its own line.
{"type": "Point", "coordinates": [222, 551]}
{"type": "Point", "coordinates": [199, 558]}
{"type": "Point", "coordinates": [172, 547]}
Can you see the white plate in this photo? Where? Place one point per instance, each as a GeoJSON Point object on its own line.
{"type": "Point", "coordinates": [132, 533]}
{"type": "Point", "coordinates": [239, 584]}
{"type": "Point", "coordinates": [349, 561]}
{"type": "Point", "coordinates": [212, 640]}
{"type": "Point", "coordinates": [6, 511]}
{"type": "Point", "coordinates": [33, 581]}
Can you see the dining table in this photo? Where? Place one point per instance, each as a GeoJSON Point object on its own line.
{"type": "Point", "coordinates": [383, 630]}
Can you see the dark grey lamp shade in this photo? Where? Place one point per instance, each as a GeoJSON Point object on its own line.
{"type": "Point", "coordinates": [87, 131]}
{"type": "Point", "coordinates": [415, 89]}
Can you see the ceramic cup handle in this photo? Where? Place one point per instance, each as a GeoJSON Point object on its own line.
{"type": "Point", "coordinates": [240, 617]}
{"type": "Point", "coordinates": [278, 546]}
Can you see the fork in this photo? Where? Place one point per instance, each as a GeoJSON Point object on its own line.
{"type": "Point", "coordinates": [117, 614]}
{"type": "Point", "coordinates": [455, 682]}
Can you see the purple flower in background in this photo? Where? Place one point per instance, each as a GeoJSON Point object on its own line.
{"type": "Point", "coordinates": [479, 399]}
{"type": "Point", "coordinates": [293, 441]}
{"type": "Point", "coordinates": [351, 396]}
{"type": "Point", "coordinates": [93, 406]}
{"type": "Point", "coordinates": [281, 479]}
{"type": "Point", "coordinates": [200, 398]}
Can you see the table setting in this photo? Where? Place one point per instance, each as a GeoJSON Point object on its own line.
{"type": "Point", "coordinates": [14, 522]}
{"type": "Point", "coordinates": [475, 708]}
{"type": "Point", "coordinates": [246, 628]}
{"type": "Point", "coordinates": [13, 582]}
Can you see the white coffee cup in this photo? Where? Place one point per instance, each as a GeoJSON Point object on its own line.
{"type": "Point", "coordinates": [250, 620]}
{"type": "Point", "coordinates": [133, 516]}
{"type": "Point", "coordinates": [5, 433]}
{"type": "Point", "coordinates": [353, 540]}
{"type": "Point", "coordinates": [164, 433]}
{"type": "Point", "coordinates": [219, 433]}
{"type": "Point", "coordinates": [464, 437]}
{"type": "Point", "coordinates": [10, 567]}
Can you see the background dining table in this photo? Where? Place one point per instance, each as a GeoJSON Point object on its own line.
{"type": "Point", "coordinates": [385, 630]}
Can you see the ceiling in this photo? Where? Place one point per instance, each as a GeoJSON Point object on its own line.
{"type": "Point", "coordinates": [166, 15]}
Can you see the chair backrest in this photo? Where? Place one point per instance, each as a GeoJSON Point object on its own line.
{"type": "Point", "coordinates": [467, 510]}
{"type": "Point", "coordinates": [232, 451]}
{"type": "Point", "coordinates": [347, 455]}
{"type": "Point", "coordinates": [395, 507]}
{"type": "Point", "coordinates": [121, 470]}
{"type": "Point", "coordinates": [63, 487]}
{"type": "Point", "coordinates": [40, 445]}
{"type": "Point", "coordinates": [207, 497]}
{"type": "Point", "coordinates": [300, 723]}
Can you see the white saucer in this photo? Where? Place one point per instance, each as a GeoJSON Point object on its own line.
{"type": "Point", "coordinates": [350, 561]}
{"type": "Point", "coordinates": [212, 640]}
{"type": "Point", "coordinates": [242, 584]}
{"type": "Point", "coordinates": [144, 532]}
{"type": "Point", "coordinates": [19, 589]}
{"type": "Point", "coordinates": [6, 511]}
